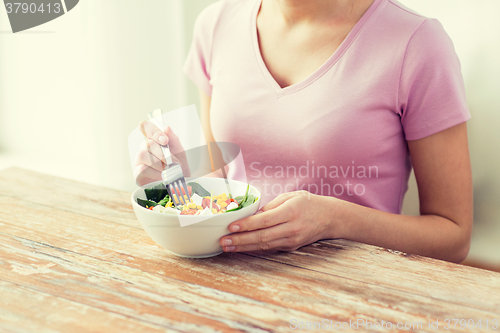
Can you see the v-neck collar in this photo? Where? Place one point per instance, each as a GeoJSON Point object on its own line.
{"type": "Point", "coordinates": [323, 68]}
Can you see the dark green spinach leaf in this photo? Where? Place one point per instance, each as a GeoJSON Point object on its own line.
{"type": "Point", "coordinates": [146, 203]}
{"type": "Point", "coordinates": [198, 189]}
{"type": "Point", "coordinates": [156, 193]}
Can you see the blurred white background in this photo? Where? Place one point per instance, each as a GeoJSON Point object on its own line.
{"type": "Point", "coordinates": [73, 89]}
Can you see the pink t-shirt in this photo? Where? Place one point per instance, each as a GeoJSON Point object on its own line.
{"type": "Point", "coordinates": [343, 130]}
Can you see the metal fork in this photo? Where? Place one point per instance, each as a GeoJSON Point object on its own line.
{"type": "Point", "coordinates": [172, 175]}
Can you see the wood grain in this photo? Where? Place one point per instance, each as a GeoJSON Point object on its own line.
{"type": "Point", "coordinates": [61, 246]}
{"type": "Point", "coordinates": [424, 276]}
{"type": "Point", "coordinates": [85, 199]}
{"type": "Point", "coordinates": [26, 310]}
{"type": "Point", "coordinates": [115, 288]}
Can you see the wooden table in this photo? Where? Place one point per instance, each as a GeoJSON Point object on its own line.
{"type": "Point", "coordinates": [74, 258]}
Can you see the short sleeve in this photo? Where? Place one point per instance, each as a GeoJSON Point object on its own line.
{"type": "Point", "coordinates": [431, 94]}
{"type": "Point", "coordinates": [197, 64]}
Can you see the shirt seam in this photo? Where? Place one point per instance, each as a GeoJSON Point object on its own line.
{"type": "Point", "coordinates": [200, 84]}
{"type": "Point", "coordinates": [398, 89]}
{"type": "Point", "coordinates": [406, 10]}
{"type": "Point", "coordinates": [458, 113]}
{"type": "Point", "coordinates": [339, 57]}
{"type": "Point", "coordinates": [255, 43]}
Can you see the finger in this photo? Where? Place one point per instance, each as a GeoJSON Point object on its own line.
{"type": "Point", "coordinates": [280, 199]}
{"type": "Point", "coordinates": [151, 131]}
{"type": "Point", "coordinates": [154, 148]}
{"type": "Point", "coordinates": [256, 247]}
{"type": "Point", "coordinates": [145, 175]}
{"type": "Point", "coordinates": [145, 158]}
{"type": "Point", "coordinates": [177, 151]}
{"type": "Point", "coordinates": [263, 220]}
{"type": "Point", "coordinates": [150, 156]}
{"type": "Point", "coordinates": [174, 144]}
{"type": "Point", "coordinates": [279, 236]}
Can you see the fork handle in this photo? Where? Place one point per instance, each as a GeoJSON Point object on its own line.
{"type": "Point", "coordinates": [167, 154]}
{"type": "Point", "coordinates": [164, 148]}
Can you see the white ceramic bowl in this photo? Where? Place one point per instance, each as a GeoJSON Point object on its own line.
{"type": "Point", "coordinates": [201, 239]}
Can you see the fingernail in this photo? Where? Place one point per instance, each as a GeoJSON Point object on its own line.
{"type": "Point", "coordinates": [230, 248]}
{"type": "Point", "coordinates": [163, 139]}
{"type": "Point", "coordinates": [227, 242]}
{"type": "Point", "coordinates": [235, 228]}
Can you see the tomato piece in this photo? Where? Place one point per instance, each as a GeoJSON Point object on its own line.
{"type": "Point", "coordinates": [206, 203]}
{"type": "Point", "coordinates": [190, 190]}
{"type": "Point", "coordinates": [189, 212]}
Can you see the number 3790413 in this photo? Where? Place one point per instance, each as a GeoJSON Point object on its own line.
{"type": "Point", "coordinates": [470, 324]}
{"type": "Point", "coordinates": [25, 8]}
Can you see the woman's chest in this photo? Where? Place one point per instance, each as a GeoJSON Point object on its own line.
{"type": "Point", "coordinates": [292, 57]}
{"type": "Point", "coordinates": [348, 105]}
{"type": "Point", "coordinates": [327, 127]}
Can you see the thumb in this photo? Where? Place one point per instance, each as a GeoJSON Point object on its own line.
{"type": "Point", "coordinates": [278, 201]}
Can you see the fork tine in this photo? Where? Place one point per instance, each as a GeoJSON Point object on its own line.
{"type": "Point", "coordinates": [183, 183]}
{"type": "Point", "coordinates": [174, 180]}
{"type": "Point", "coordinates": [181, 197]}
{"type": "Point", "coordinates": [173, 194]}
{"type": "Point", "coordinates": [179, 194]}
{"type": "Point", "coordinates": [182, 187]}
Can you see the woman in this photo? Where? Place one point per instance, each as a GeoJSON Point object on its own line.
{"type": "Point", "coordinates": [353, 93]}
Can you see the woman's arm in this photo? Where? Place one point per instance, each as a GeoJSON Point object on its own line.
{"type": "Point", "coordinates": [443, 230]}
{"type": "Point", "coordinates": [205, 116]}
{"type": "Point", "coordinates": [215, 152]}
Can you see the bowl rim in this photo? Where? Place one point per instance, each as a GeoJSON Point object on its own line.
{"type": "Point", "coordinates": [134, 202]}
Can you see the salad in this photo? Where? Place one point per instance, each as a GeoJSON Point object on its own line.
{"type": "Point", "coordinates": [200, 201]}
